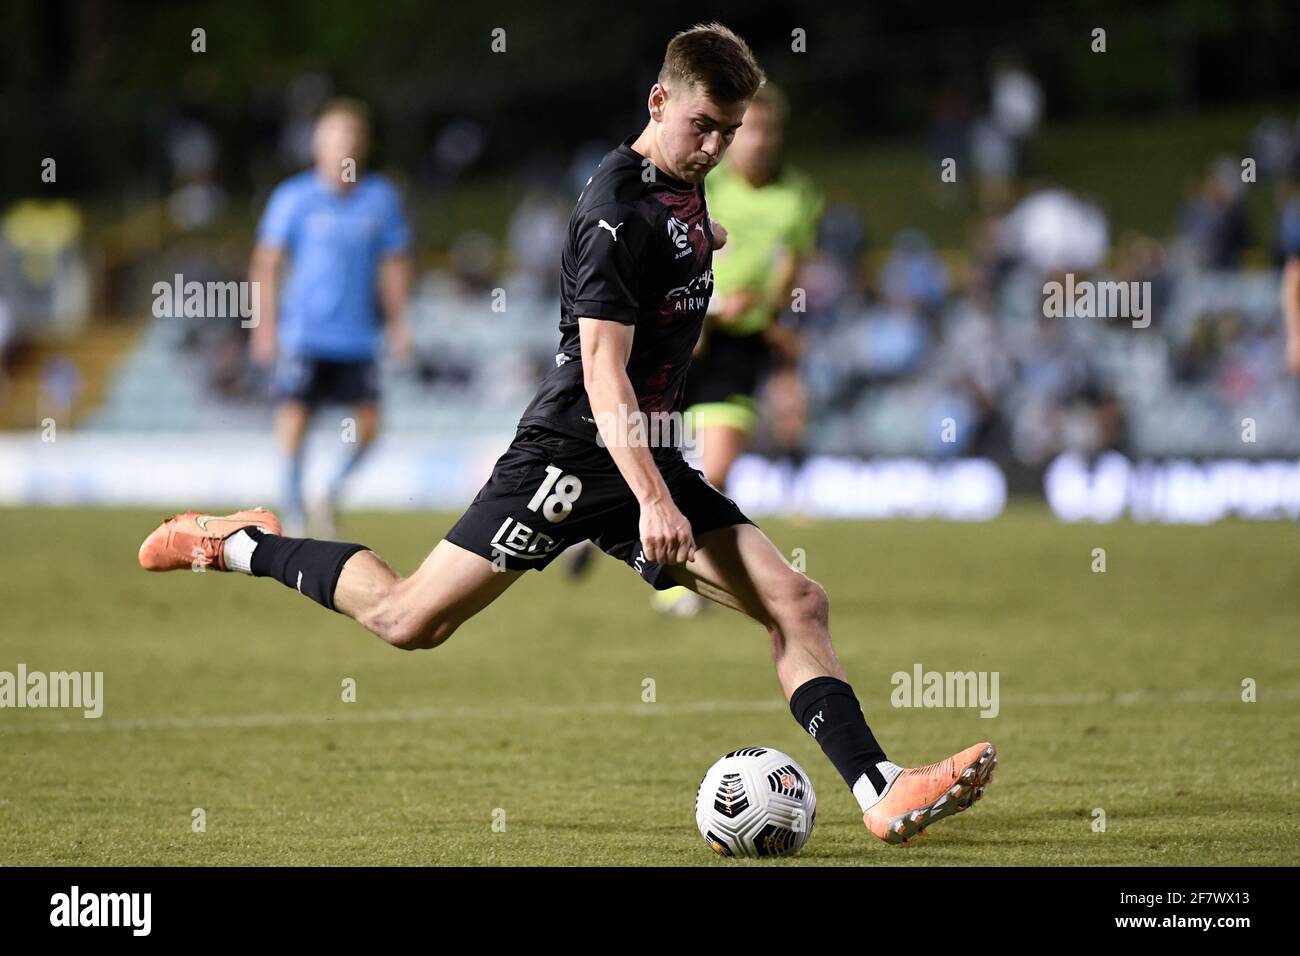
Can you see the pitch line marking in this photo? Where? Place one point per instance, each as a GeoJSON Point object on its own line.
{"type": "Point", "coordinates": [233, 721]}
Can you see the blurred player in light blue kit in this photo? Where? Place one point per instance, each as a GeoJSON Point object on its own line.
{"type": "Point", "coordinates": [344, 246]}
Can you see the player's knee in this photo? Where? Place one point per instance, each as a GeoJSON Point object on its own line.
{"type": "Point", "coordinates": [801, 601]}
{"type": "Point", "coordinates": [418, 633]}
{"type": "Point", "coordinates": [422, 636]}
{"type": "Point", "coordinates": [417, 629]}
{"type": "Point", "coordinates": [815, 603]}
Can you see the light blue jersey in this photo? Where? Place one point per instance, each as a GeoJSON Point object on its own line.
{"type": "Point", "coordinates": [335, 241]}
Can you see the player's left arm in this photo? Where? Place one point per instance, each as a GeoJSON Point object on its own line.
{"type": "Point", "coordinates": [395, 273]}
{"type": "Point", "coordinates": [1291, 311]}
{"type": "Point", "coordinates": [396, 270]}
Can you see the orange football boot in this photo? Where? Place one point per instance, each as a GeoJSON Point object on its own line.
{"type": "Point", "coordinates": [921, 795]}
{"type": "Point", "coordinates": [192, 539]}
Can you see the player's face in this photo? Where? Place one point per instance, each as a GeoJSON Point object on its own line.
{"type": "Point", "coordinates": [339, 138]}
{"type": "Point", "coordinates": [758, 141]}
{"type": "Point", "coordinates": [694, 132]}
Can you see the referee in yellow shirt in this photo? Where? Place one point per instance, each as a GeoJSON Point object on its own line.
{"type": "Point", "coordinates": [770, 212]}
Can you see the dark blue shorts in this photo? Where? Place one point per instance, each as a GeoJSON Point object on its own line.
{"type": "Point", "coordinates": [319, 381]}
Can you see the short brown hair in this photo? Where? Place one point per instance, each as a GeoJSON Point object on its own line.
{"type": "Point", "coordinates": [714, 57]}
{"type": "Point", "coordinates": [347, 106]}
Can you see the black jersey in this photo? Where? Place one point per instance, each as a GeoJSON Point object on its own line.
{"type": "Point", "coordinates": [639, 251]}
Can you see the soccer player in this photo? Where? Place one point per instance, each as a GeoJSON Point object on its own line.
{"type": "Point", "coordinates": [345, 242]}
{"type": "Point", "coordinates": [636, 277]}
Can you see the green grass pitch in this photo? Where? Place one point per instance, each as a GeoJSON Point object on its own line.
{"type": "Point", "coordinates": [1119, 690]}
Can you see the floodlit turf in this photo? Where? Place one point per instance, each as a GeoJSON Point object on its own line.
{"type": "Point", "coordinates": [1119, 691]}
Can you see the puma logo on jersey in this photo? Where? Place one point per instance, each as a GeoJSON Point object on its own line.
{"type": "Point", "coordinates": [613, 230]}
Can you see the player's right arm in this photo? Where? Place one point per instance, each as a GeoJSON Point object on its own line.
{"type": "Point", "coordinates": [275, 233]}
{"type": "Point", "coordinates": [665, 532]}
{"type": "Point", "coordinates": [264, 270]}
{"type": "Point", "coordinates": [610, 244]}
{"type": "Point", "coordinates": [1291, 312]}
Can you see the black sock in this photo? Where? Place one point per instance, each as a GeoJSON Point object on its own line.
{"type": "Point", "coordinates": [308, 566]}
{"type": "Point", "coordinates": [827, 708]}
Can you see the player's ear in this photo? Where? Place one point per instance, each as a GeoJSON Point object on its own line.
{"type": "Point", "coordinates": [658, 96]}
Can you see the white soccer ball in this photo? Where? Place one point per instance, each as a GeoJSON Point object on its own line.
{"type": "Point", "coordinates": [755, 802]}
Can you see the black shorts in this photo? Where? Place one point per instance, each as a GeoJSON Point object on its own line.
{"type": "Point", "coordinates": [319, 381]}
{"type": "Point", "coordinates": [550, 491]}
{"type": "Point", "coordinates": [731, 367]}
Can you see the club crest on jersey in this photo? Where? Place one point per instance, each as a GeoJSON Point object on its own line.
{"type": "Point", "coordinates": [678, 232]}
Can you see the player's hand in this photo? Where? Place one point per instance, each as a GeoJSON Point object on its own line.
{"type": "Point", "coordinates": [666, 535]}
{"type": "Point", "coordinates": [1293, 355]}
{"type": "Point", "coordinates": [736, 305]}
{"type": "Point", "coordinates": [719, 234]}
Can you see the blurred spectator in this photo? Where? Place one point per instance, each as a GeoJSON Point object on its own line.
{"type": "Point", "coordinates": [535, 234]}
{"type": "Point", "coordinates": [1016, 100]}
{"type": "Point", "coordinates": [999, 140]}
{"type": "Point", "coordinates": [1053, 231]}
{"type": "Point", "coordinates": [950, 124]}
{"type": "Point", "coordinates": [474, 261]}
{"type": "Point", "coordinates": [43, 274]}
{"type": "Point", "coordinates": [61, 386]}
{"type": "Point", "coordinates": [1213, 227]}
{"type": "Point", "coordinates": [456, 148]}
{"type": "Point", "coordinates": [1272, 146]}
{"type": "Point", "coordinates": [913, 275]}
{"type": "Point", "coordinates": [197, 200]}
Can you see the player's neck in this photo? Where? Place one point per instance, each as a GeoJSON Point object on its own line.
{"type": "Point", "coordinates": [756, 176]}
{"type": "Point", "coordinates": [333, 183]}
{"type": "Point", "coordinates": [645, 145]}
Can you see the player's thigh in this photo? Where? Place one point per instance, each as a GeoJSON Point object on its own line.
{"type": "Point", "coordinates": [740, 567]}
{"type": "Point", "coordinates": [454, 583]}
{"type": "Point", "coordinates": [422, 610]}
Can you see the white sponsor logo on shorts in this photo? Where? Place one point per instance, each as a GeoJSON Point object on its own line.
{"type": "Point", "coordinates": [522, 541]}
